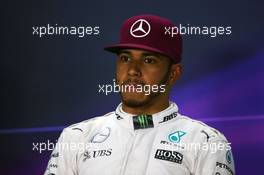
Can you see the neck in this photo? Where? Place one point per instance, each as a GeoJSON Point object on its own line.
{"type": "Point", "coordinates": [154, 106]}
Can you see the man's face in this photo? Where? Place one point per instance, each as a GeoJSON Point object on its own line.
{"type": "Point", "coordinates": [140, 68]}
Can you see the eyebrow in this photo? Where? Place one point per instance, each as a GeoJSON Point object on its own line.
{"type": "Point", "coordinates": [124, 51]}
{"type": "Point", "coordinates": [151, 54]}
{"type": "Point", "coordinates": [143, 54]}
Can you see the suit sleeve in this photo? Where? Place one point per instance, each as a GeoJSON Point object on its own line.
{"type": "Point", "coordinates": [63, 158]}
{"type": "Point", "coordinates": [217, 160]}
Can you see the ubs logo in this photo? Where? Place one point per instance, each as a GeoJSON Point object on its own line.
{"type": "Point", "coordinates": [96, 153]}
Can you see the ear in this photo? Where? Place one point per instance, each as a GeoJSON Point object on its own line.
{"type": "Point", "coordinates": [175, 73]}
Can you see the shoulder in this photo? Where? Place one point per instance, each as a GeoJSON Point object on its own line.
{"type": "Point", "coordinates": [200, 131]}
{"type": "Point", "coordinates": [82, 129]}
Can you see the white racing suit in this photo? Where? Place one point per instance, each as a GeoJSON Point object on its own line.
{"type": "Point", "coordinates": [118, 143]}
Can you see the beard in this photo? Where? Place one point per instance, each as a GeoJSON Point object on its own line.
{"type": "Point", "coordinates": [147, 99]}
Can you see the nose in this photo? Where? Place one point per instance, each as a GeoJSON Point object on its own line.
{"type": "Point", "coordinates": [134, 69]}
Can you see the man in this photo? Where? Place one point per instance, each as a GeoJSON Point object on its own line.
{"type": "Point", "coordinates": [145, 135]}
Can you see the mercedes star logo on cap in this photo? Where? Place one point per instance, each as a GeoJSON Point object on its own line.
{"type": "Point", "coordinates": [140, 28]}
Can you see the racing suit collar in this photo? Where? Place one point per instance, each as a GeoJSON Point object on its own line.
{"type": "Point", "coordinates": [130, 121]}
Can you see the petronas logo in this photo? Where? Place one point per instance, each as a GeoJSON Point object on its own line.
{"type": "Point", "coordinates": [175, 137]}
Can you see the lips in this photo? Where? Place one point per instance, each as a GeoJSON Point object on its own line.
{"type": "Point", "coordinates": [132, 83]}
{"type": "Point", "coordinates": [130, 87]}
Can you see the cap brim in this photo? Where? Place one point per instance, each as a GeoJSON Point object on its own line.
{"type": "Point", "coordinates": [117, 47]}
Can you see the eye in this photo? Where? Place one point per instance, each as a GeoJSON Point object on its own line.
{"type": "Point", "coordinates": [150, 60]}
{"type": "Point", "coordinates": [124, 58]}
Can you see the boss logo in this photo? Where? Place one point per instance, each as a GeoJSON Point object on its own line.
{"type": "Point", "coordinates": [169, 117]}
{"type": "Point", "coordinates": [172, 156]}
